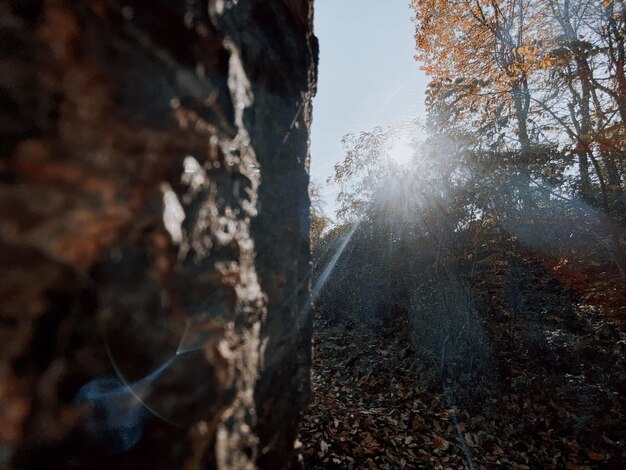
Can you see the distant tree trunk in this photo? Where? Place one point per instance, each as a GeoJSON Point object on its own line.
{"type": "Point", "coordinates": [584, 128]}
{"type": "Point", "coordinates": [612, 172]}
{"type": "Point", "coordinates": [617, 54]}
{"type": "Point", "coordinates": [521, 98]}
{"type": "Point", "coordinates": [583, 170]}
{"type": "Point", "coordinates": [154, 232]}
{"type": "Point", "coordinates": [580, 101]}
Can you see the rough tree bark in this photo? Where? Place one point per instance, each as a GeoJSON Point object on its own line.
{"type": "Point", "coordinates": [154, 229]}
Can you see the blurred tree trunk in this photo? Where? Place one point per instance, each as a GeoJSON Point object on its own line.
{"type": "Point", "coordinates": [154, 217]}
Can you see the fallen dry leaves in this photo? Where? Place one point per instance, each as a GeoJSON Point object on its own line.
{"type": "Point", "coordinates": [369, 410]}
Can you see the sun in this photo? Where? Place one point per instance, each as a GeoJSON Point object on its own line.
{"type": "Point", "coordinates": [401, 151]}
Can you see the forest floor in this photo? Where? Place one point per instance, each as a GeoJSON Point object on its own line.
{"type": "Point", "coordinates": [552, 405]}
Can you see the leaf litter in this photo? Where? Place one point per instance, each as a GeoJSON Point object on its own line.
{"type": "Point", "coordinates": [371, 409]}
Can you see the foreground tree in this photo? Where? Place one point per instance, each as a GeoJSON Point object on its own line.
{"type": "Point", "coordinates": [154, 233]}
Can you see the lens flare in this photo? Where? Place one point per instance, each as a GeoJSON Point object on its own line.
{"type": "Point", "coordinates": [118, 412]}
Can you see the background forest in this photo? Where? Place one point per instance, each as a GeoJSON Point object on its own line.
{"type": "Point", "coordinates": [493, 251]}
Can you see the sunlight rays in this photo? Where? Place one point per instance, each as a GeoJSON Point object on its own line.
{"type": "Point", "coordinates": [333, 261]}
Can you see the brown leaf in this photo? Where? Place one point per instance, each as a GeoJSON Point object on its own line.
{"type": "Point", "coordinates": [575, 466]}
{"type": "Point", "coordinates": [440, 442]}
{"type": "Point", "coordinates": [597, 456]}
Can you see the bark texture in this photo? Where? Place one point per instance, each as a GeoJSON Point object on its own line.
{"type": "Point", "coordinates": [154, 232]}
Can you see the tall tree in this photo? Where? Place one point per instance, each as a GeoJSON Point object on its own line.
{"type": "Point", "coordinates": [491, 45]}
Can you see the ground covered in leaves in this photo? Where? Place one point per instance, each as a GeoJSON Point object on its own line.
{"type": "Point", "coordinates": [554, 399]}
{"type": "Point", "coordinates": [368, 409]}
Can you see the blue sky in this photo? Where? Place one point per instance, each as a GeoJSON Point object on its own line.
{"type": "Point", "coordinates": [367, 76]}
